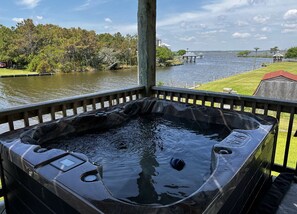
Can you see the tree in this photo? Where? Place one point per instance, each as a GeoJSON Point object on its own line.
{"type": "Point", "coordinates": [243, 53]}
{"type": "Point", "coordinates": [256, 49]}
{"type": "Point", "coordinates": [274, 50]}
{"type": "Point", "coordinates": [50, 48]}
{"type": "Point", "coordinates": [163, 54]}
{"type": "Point", "coordinates": [6, 37]}
{"type": "Point", "coordinates": [181, 52]}
{"type": "Point", "coordinates": [291, 53]}
{"type": "Point", "coordinates": [25, 44]}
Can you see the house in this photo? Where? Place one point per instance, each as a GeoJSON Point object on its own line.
{"type": "Point", "coordinates": [278, 85]}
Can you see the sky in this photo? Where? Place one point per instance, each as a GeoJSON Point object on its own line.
{"type": "Point", "coordinates": [193, 24]}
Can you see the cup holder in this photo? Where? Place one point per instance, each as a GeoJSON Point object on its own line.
{"type": "Point", "coordinates": [90, 177]}
{"type": "Point", "coordinates": [222, 150]}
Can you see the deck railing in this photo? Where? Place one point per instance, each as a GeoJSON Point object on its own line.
{"type": "Point", "coordinates": [24, 116]}
{"type": "Point", "coordinates": [284, 111]}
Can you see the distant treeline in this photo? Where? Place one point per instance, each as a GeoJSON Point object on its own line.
{"type": "Point", "coordinates": [290, 53]}
{"type": "Point", "coordinates": [51, 48]}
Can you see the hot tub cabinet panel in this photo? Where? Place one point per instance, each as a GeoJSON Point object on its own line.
{"type": "Point", "coordinates": [41, 180]}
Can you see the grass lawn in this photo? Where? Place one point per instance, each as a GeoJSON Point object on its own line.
{"type": "Point", "coordinates": [7, 72]}
{"type": "Point", "coordinates": [246, 83]}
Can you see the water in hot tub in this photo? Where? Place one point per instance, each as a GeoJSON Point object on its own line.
{"type": "Point", "coordinates": [136, 157]}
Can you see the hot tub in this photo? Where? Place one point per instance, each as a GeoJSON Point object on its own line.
{"type": "Point", "coordinates": [147, 156]}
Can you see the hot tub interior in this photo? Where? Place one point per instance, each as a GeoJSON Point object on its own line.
{"type": "Point", "coordinates": [146, 154]}
{"type": "Point", "coordinates": [137, 158]}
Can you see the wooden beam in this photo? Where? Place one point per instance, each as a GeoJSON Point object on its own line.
{"type": "Point", "coordinates": [147, 44]}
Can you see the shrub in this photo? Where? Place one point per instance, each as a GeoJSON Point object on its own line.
{"type": "Point", "coordinates": [291, 53]}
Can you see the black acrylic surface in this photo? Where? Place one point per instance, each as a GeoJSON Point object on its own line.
{"type": "Point", "coordinates": [234, 148]}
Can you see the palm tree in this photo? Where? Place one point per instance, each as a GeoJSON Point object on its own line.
{"type": "Point", "coordinates": [256, 49]}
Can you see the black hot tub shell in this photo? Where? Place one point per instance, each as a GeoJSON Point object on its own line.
{"type": "Point", "coordinates": [41, 180]}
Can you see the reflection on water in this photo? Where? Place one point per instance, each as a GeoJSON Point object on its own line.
{"type": "Point", "coordinates": [26, 90]}
{"type": "Point", "coordinates": [136, 157]}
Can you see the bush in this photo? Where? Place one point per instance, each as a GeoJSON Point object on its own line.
{"type": "Point", "coordinates": [181, 52]}
{"type": "Point", "coordinates": [67, 67]}
{"type": "Point", "coordinates": [164, 54]}
{"type": "Point", "coordinates": [291, 53]}
{"type": "Point", "coordinates": [34, 64]}
{"type": "Point", "coordinates": [43, 67]}
{"type": "Point", "coordinates": [243, 53]}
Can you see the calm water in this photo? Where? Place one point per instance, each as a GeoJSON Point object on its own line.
{"type": "Point", "coordinates": [26, 90]}
{"type": "Point", "coordinates": [136, 167]}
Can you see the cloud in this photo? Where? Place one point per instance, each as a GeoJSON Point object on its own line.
{"type": "Point", "coordinates": [291, 14]}
{"type": "Point", "coordinates": [238, 35]}
{"type": "Point", "coordinates": [178, 18]}
{"type": "Point", "coordinates": [289, 27]}
{"type": "Point", "coordinates": [289, 30]}
{"type": "Point", "coordinates": [108, 20]}
{"type": "Point", "coordinates": [187, 38]}
{"type": "Point", "coordinates": [261, 19]}
{"type": "Point", "coordinates": [84, 6]}
{"type": "Point", "coordinates": [125, 29]}
{"type": "Point", "coordinates": [242, 23]}
{"type": "Point", "coordinates": [222, 31]}
{"type": "Point", "coordinates": [254, 2]}
{"type": "Point", "coordinates": [209, 32]}
{"type": "Point", "coordinates": [18, 20]}
{"type": "Point", "coordinates": [225, 5]}
{"type": "Point", "coordinates": [29, 3]}
{"type": "Point", "coordinates": [39, 17]}
{"type": "Point", "coordinates": [260, 37]}
{"type": "Point", "coordinates": [266, 29]}
{"type": "Point", "coordinates": [90, 3]}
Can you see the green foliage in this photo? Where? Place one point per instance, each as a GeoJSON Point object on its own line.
{"type": "Point", "coordinates": [243, 53]}
{"type": "Point", "coordinates": [67, 67]}
{"type": "Point", "coordinates": [181, 52]}
{"type": "Point", "coordinates": [160, 83]}
{"type": "Point", "coordinates": [43, 67]}
{"type": "Point", "coordinates": [291, 53]}
{"type": "Point", "coordinates": [163, 54]}
{"type": "Point", "coordinates": [5, 40]}
{"type": "Point", "coordinates": [50, 48]}
{"type": "Point", "coordinates": [274, 50]}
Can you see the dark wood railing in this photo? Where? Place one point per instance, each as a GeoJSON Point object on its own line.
{"type": "Point", "coordinates": [24, 116]}
{"type": "Point", "coordinates": [284, 111]}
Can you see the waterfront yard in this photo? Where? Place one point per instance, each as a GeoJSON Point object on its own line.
{"type": "Point", "coordinates": [246, 83]}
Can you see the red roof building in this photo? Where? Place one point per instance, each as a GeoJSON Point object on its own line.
{"type": "Point", "coordinates": [280, 73]}
{"type": "Point", "coordinates": [278, 85]}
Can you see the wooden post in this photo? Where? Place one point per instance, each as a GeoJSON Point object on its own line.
{"type": "Point", "coordinates": [147, 44]}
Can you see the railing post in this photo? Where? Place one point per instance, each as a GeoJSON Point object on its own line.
{"type": "Point", "coordinates": [147, 44]}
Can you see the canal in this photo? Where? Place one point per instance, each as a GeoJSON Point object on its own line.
{"type": "Point", "coordinates": [214, 65]}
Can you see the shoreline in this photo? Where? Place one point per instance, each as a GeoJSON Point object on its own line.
{"type": "Point", "coordinates": [25, 75]}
